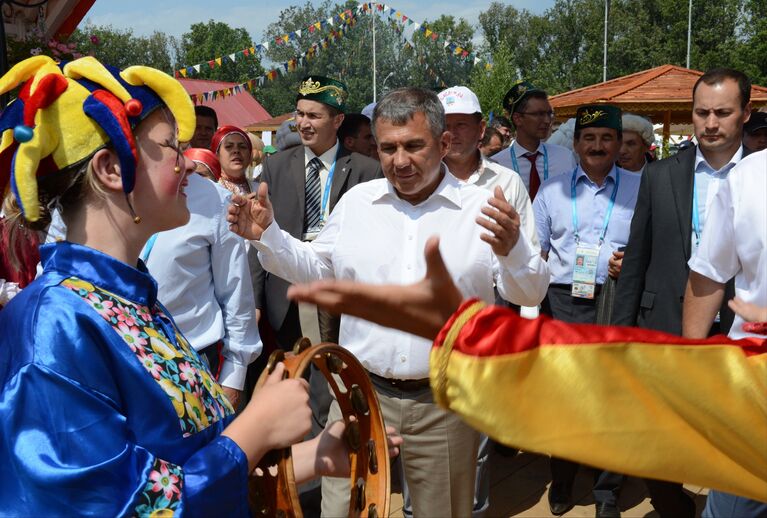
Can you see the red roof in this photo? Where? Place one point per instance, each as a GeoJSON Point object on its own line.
{"type": "Point", "coordinates": [240, 110]}
{"type": "Point", "coordinates": [652, 92]}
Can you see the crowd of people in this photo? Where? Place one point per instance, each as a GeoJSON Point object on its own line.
{"type": "Point", "coordinates": [176, 248]}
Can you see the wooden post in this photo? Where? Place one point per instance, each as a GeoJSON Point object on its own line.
{"type": "Point", "coordinates": [666, 132]}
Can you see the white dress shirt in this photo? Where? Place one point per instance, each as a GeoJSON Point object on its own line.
{"type": "Point", "coordinates": [491, 174]}
{"type": "Point", "coordinates": [373, 236]}
{"type": "Point", "coordinates": [736, 245]}
{"type": "Point", "coordinates": [204, 281]}
{"type": "Point", "coordinates": [561, 160]}
{"type": "Point", "coordinates": [707, 182]}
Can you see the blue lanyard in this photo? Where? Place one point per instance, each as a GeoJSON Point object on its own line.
{"type": "Point", "coordinates": [326, 192]}
{"type": "Point", "coordinates": [148, 247]}
{"type": "Point", "coordinates": [609, 207]}
{"type": "Point", "coordinates": [695, 214]}
{"type": "Point", "coordinates": [515, 165]}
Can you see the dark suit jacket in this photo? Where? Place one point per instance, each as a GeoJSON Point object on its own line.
{"type": "Point", "coordinates": [653, 277]}
{"type": "Point", "coordinates": [285, 173]}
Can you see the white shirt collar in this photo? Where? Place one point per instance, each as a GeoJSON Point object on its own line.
{"type": "Point", "coordinates": [582, 174]}
{"type": "Point", "coordinates": [520, 150]}
{"type": "Point", "coordinates": [326, 158]}
{"type": "Point", "coordinates": [449, 189]}
{"type": "Point", "coordinates": [700, 161]}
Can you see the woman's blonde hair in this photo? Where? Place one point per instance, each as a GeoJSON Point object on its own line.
{"type": "Point", "coordinates": [65, 190]}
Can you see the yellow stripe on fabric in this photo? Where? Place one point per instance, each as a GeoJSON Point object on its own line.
{"type": "Point", "coordinates": [695, 414]}
{"type": "Point", "coordinates": [441, 355]}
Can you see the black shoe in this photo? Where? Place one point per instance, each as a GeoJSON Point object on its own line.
{"type": "Point", "coordinates": [607, 510]}
{"type": "Point", "coordinates": [560, 499]}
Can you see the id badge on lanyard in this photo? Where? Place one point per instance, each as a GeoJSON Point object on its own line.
{"type": "Point", "coordinates": [587, 255]}
{"type": "Point", "coordinates": [585, 271]}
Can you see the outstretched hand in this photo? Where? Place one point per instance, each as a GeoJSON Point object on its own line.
{"type": "Point", "coordinates": [748, 311]}
{"type": "Point", "coordinates": [421, 308]}
{"type": "Point", "coordinates": [502, 223]}
{"type": "Point", "coordinates": [250, 216]}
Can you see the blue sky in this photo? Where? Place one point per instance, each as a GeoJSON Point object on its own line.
{"type": "Point", "coordinates": [147, 16]}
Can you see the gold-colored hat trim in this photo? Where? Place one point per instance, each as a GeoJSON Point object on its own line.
{"type": "Point", "coordinates": [589, 117]}
{"type": "Point", "coordinates": [310, 87]}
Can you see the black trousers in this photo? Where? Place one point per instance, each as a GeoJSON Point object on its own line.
{"type": "Point", "coordinates": [561, 305]}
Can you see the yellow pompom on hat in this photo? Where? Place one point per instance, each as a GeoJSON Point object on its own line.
{"type": "Point", "coordinates": [65, 112]}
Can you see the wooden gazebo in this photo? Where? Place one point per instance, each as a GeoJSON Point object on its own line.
{"type": "Point", "coordinates": [663, 94]}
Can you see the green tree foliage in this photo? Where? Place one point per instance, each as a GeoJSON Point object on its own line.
{"type": "Point", "coordinates": [207, 41]}
{"type": "Point", "coordinates": [562, 48]}
{"type": "Point", "coordinates": [121, 48]}
{"type": "Point", "coordinates": [433, 66]}
{"type": "Point", "coordinates": [350, 58]}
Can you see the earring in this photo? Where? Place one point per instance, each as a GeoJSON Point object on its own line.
{"type": "Point", "coordinates": [136, 219]}
{"type": "Point", "coordinates": [177, 169]}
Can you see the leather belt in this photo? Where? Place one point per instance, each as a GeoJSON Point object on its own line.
{"type": "Point", "coordinates": [403, 385]}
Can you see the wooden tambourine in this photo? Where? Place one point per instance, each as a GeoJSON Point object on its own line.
{"type": "Point", "coordinates": [272, 484]}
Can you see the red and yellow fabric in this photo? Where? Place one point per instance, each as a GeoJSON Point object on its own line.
{"type": "Point", "coordinates": [628, 400]}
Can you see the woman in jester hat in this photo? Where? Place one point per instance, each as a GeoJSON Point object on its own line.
{"type": "Point", "coordinates": [104, 408]}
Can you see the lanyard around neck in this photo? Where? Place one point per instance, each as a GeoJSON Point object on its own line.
{"type": "Point", "coordinates": [609, 206]}
{"type": "Point", "coordinates": [695, 214]}
{"type": "Point", "coordinates": [545, 154]}
{"type": "Point", "coordinates": [326, 191]}
{"type": "Point", "coordinates": [148, 247]}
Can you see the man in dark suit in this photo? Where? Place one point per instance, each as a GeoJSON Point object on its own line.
{"type": "Point", "coordinates": [305, 183]}
{"type": "Point", "coordinates": [319, 114]}
{"type": "Point", "coordinates": [668, 221]}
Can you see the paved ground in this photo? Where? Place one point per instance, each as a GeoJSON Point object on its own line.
{"type": "Point", "coordinates": [519, 487]}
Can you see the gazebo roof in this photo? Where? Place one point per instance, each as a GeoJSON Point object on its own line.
{"type": "Point", "coordinates": [657, 92]}
{"type": "Point", "coordinates": [271, 124]}
{"type": "Point", "coordinates": [241, 110]}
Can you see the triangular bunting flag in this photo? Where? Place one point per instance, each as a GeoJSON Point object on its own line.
{"type": "Point", "coordinates": [197, 68]}
{"type": "Point", "coordinates": [218, 61]}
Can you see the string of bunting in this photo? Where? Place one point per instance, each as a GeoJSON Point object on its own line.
{"type": "Point", "coordinates": [283, 68]}
{"type": "Point", "coordinates": [347, 20]}
{"type": "Point", "coordinates": [341, 19]}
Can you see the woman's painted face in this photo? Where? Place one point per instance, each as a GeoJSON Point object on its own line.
{"type": "Point", "coordinates": [234, 155]}
{"type": "Point", "coordinates": [158, 196]}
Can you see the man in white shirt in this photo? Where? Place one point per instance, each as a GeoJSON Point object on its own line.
{"type": "Point", "coordinates": [463, 118]}
{"type": "Point", "coordinates": [532, 115]}
{"type": "Point", "coordinates": [377, 234]}
{"type": "Point", "coordinates": [737, 249]}
{"type": "Point", "coordinates": [204, 281]}
{"type": "Point", "coordinates": [638, 136]}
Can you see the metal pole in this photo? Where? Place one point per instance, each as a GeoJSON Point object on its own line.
{"type": "Point", "coordinates": [604, 60]}
{"type": "Point", "coordinates": [689, 32]}
{"type": "Point", "coordinates": [375, 91]}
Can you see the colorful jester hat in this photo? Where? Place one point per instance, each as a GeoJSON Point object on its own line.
{"type": "Point", "coordinates": [66, 112]}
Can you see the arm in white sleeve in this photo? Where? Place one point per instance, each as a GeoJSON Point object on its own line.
{"type": "Point", "coordinates": [522, 277]}
{"type": "Point", "coordinates": [296, 261]}
{"type": "Point", "coordinates": [234, 293]}
{"type": "Point", "coordinates": [8, 290]}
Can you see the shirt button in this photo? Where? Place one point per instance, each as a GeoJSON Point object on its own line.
{"type": "Point", "coordinates": [409, 238]}
{"type": "Point", "coordinates": [409, 267]}
{"type": "Point", "coordinates": [403, 358]}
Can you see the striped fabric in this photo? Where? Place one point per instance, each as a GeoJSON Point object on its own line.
{"type": "Point", "coordinates": [627, 400]}
{"type": "Point", "coordinates": [313, 196]}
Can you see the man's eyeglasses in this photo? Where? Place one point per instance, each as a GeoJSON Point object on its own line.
{"type": "Point", "coordinates": [540, 114]}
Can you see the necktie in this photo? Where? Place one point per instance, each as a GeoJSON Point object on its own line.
{"type": "Point", "coordinates": [313, 194]}
{"type": "Point", "coordinates": [535, 180]}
